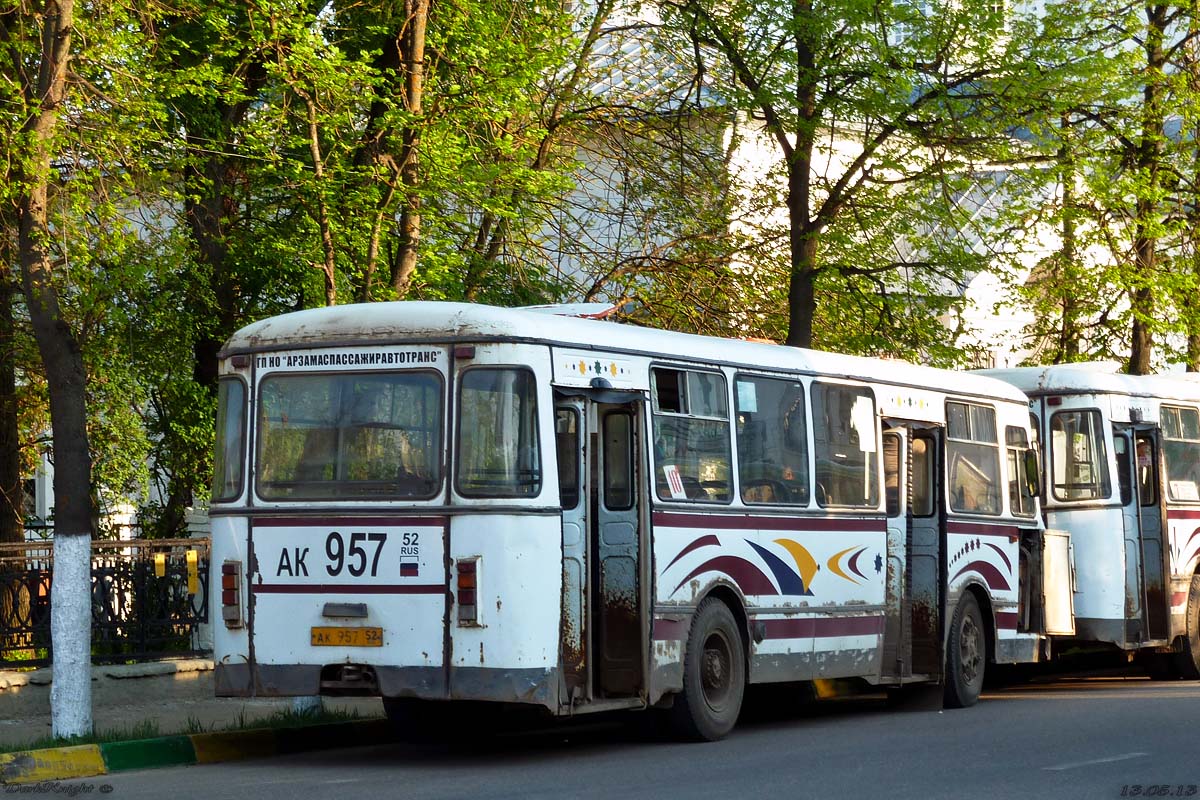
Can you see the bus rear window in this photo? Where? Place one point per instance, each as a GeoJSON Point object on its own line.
{"type": "Point", "coordinates": [231, 433]}
{"type": "Point", "coordinates": [498, 449]}
{"type": "Point", "coordinates": [349, 436]}
{"type": "Point", "coordinates": [1079, 462]}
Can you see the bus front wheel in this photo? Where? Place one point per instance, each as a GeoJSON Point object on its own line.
{"type": "Point", "coordinates": [966, 655]}
{"type": "Point", "coordinates": [714, 675]}
{"type": "Point", "coordinates": [1187, 662]}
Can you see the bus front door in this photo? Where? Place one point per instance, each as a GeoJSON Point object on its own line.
{"type": "Point", "coordinates": [603, 621]}
{"type": "Point", "coordinates": [912, 635]}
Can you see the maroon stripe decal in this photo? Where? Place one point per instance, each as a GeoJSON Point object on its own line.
{"type": "Point", "coordinates": [1188, 543]}
{"type": "Point", "coordinates": [1179, 513]}
{"type": "Point", "coordinates": [1002, 555]}
{"type": "Point", "coordinates": [336, 522]}
{"type": "Point", "coordinates": [853, 565]}
{"type": "Point", "coordinates": [729, 522]}
{"type": "Point", "coordinates": [347, 588]}
{"type": "Point", "coordinates": [669, 630]}
{"type": "Point", "coordinates": [980, 529]}
{"type": "Point", "coordinates": [990, 574]}
{"type": "Point", "coordinates": [821, 627]}
{"type": "Point", "coordinates": [1006, 620]}
{"type": "Point", "coordinates": [703, 541]}
{"type": "Point", "coordinates": [1179, 598]}
{"type": "Point", "coordinates": [749, 578]}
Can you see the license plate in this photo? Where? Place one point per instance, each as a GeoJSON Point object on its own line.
{"type": "Point", "coordinates": [347, 637]}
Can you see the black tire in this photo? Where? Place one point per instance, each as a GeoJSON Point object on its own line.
{"type": "Point", "coordinates": [966, 655]}
{"type": "Point", "coordinates": [1187, 662]}
{"type": "Point", "coordinates": [714, 675]}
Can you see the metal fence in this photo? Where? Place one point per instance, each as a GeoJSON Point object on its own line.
{"type": "Point", "coordinates": [149, 597]}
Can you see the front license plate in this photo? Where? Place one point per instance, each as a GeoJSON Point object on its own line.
{"type": "Point", "coordinates": [347, 637]}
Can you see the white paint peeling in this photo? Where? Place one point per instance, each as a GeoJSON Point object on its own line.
{"type": "Point", "coordinates": [70, 632]}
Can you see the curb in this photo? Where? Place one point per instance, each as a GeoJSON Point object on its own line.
{"type": "Point", "coordinates": [89, 760]}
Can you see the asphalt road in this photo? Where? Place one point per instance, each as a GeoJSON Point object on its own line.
{"type": "Point", "coordinates": [1075, 738]}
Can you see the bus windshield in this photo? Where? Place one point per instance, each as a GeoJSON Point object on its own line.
{"type": "Point", "coordinates": [345, 436]}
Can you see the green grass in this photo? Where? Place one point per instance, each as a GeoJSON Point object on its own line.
{"type": "Point", "coordinates": [284, 718]}
{"type": "Point", "coordinates": [141, 730]}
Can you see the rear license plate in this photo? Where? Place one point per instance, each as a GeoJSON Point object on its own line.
{"type": "Point", "coordinates": [347, 637]}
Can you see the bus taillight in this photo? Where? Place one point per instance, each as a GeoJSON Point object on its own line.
{"type": "Point", "coordinates": [468, 613]}
{"type": "Point", "coordinates": [231, 590]}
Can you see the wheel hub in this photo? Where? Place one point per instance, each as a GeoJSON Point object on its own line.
{"type": "Point", "coordinates": [970, 648]}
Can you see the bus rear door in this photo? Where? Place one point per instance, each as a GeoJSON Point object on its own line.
{"type": "Point", "coordinates": [599, 444]}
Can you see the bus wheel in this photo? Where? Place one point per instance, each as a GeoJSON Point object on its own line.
{"type": "Point", "coordinates": [966, 655]}
{"type": "Point", "coordinates": [714, 675]}
{"type": "Point", "coordinates": [1188, 661]}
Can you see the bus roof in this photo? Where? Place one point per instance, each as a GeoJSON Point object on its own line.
{"type": "Point", "coordinates": [423, 321]}
{"type": "Point", "coordinates": [1096, 378]}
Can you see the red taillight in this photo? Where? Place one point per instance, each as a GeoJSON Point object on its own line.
{"type": "Point", "coordinates": [231, 589]}
{"type": "Point", "coordinates": [465, 585]}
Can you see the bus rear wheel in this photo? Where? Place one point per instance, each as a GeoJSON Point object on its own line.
{"type": "Point", "coordinates": [966, 655]}
{"type": "Point", "coordinates": [1187, 662]}
{"type": "Point", "coordinates": [714, 675]}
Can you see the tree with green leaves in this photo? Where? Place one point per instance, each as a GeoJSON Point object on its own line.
{"type": "Point", "coordinates": [873, 112]}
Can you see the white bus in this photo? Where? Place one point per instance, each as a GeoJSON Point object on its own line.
{"type": "Point", "coordinates": [1122, 475]}
{"type": "Point", "coordinates": [437, 501]}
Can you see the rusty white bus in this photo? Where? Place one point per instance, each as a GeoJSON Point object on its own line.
{"type": "Point", "coordinates": [1122, 476]}
{"type": "Point", "coordinates": [436, 502]}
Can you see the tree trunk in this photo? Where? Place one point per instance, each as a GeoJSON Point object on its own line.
{"type": "Point", "coordinates": [1069, 332]}
{"type": "Point", "coordinates": [802, 296]}
{"type": "Point", "coordinates": [70, 623]}
{"type": "Point", "coordinates": [413, 58]}
{"type": "Point", "coordinates": [1148, 163]}
{"type": "Point", "coordinates": [12, 494]}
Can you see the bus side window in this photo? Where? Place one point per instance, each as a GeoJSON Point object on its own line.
{"type": "Point", "coordinates": [1016, 445]}
{"type": "Point", "coordinates": [844, 446]}
{"type": "Point", "coordinates": [772, 441]}
{"type": "Point", "coordinates": [973, 457]}
{"type": "Point", "coordinates": [692, 453]}
{"type": "Point", "coordinates": [1181, 452]}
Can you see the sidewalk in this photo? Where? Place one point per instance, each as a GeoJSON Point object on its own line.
{"type": "Point", "coordinates": [169, 697]}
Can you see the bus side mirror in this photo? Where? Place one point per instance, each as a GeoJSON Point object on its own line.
{"type": "Point", "coordinates": [1033, 473]}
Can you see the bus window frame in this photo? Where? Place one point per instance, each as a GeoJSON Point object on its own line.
{"type": "Point", "coordinates": [654, 413]}
{"type": "Point", "coordinates": [876, 454]}
{"type": "Point", "coordinates": [1165, 479]}
{"type": "Point", "coordinates": [456, 411]}
{"type": "Point", "coordinates": [243, 444]}
{"type": "Point", "coordinates": [805, 383]}
{"type": "Point", "coordinates": [999, 451]}
{"type": "Point", "coordinates": [1018, 453]}
{"type": "Point", "coordinates": [1105, 428]}
{"type": "Point", "coordinates": [439, 450]}
{"type": "Point", "coordinates": [577, 441]}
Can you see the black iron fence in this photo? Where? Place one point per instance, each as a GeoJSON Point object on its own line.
{"type": "Point", "coordinates": [149, 598]}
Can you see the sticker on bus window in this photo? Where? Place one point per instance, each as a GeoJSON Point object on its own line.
{"type": "Point", "coordinates": [862, 419]}
{"type": "Point", "coordinates": [747, 396]}
{"type": "Point", "coordinates": [674, 482]}
{"type": "Point", "coordinates": [1184, 490]}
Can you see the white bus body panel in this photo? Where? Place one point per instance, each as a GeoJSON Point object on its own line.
{"type": "Point", "coordinates": [1058, 582]}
